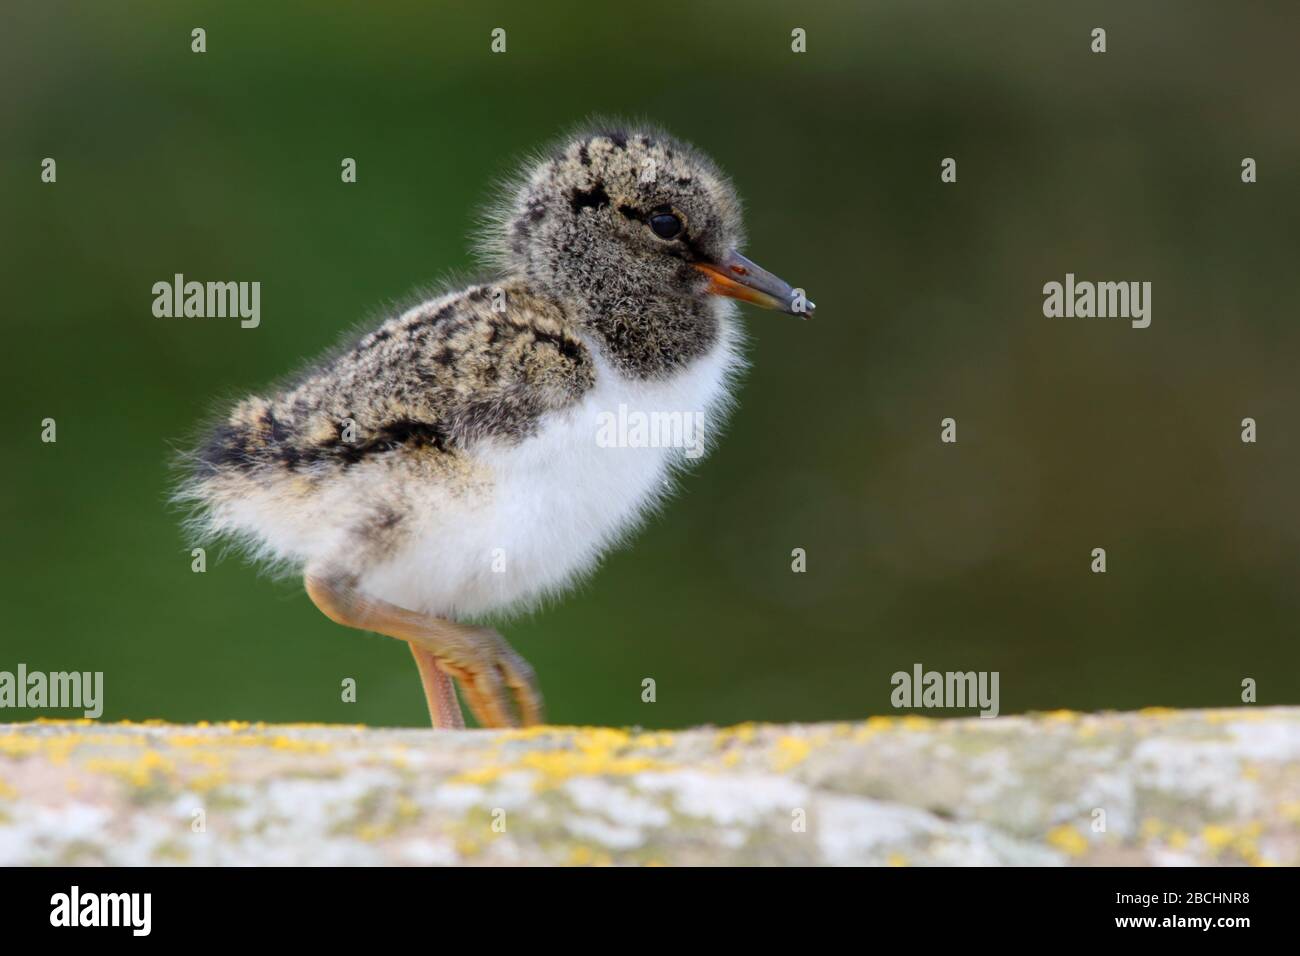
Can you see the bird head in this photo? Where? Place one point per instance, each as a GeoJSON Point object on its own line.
{"type": "Point", "coordinates": [630, 217]}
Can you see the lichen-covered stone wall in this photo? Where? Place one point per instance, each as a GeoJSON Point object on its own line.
{"type": "Point", "coordinates": [1153, 787]}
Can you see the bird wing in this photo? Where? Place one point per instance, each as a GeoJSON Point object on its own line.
{"type": "Point", "coordinates": [483, 363]}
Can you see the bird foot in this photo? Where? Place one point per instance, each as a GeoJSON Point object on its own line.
{"type": "Point", "coordinates": [491, 673]}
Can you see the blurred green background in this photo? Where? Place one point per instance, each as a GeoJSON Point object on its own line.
{"type": "Point", "coordinates": [1073, 433]}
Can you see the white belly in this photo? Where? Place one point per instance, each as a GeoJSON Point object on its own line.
{"type": "Point", "coordinates": [560, 499]}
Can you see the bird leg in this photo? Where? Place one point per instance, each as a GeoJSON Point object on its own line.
{"type": "Point", "coordinates": [490, 671]}
{"type": "Point", "coordinates": [439, 691]}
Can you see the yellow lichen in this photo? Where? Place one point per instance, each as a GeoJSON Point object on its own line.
{"type": "Point", "coordinates": [741, 733]}
{"type": "Point", "coordinates": [1068, 839]}
{"type": "Point", "coordinates": [17, 745]}
{"type": "Point", "coordinates": [872, 726]}
{"type": "Point", "coordinates": [141, 772]}
{"type": "Point", "coordinates": [1216, 837]}
{"type": "Point", "coordinates": [1246, 848]}
{"type": "Point", "coordinates": [406, 810]}
{"type": "Point", "coordinates": [592, 751]}
{"type": "Point", "coordinates": [281, 742]}
{"type": "Point", "coordinates": [480, 775]}
{"type": "Point", "coordinates": [601, 739]}
{"type": "Point", "coordinates": [580, 856]}
{"type": "Point", "coordinates": [208, 781]}
{"type": "Point", "coordinates": [558, 766]}
{"type": "Point", "coordinates": [790, 752]}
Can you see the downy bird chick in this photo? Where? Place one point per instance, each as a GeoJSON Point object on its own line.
{"type": "Point", "coordinates": [457, 461]}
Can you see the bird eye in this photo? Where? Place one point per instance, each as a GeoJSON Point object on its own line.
{"type": "Point", "coordinates": [666, 225]}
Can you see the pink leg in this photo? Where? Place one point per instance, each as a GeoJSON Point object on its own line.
{"type": "Point", "coordinates": [490, 673]}
{"type": "Point", "coordinates": [439, 692]}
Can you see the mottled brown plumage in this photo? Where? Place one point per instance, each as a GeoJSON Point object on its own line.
{"type": "Point", "coordinates": [438, 377]}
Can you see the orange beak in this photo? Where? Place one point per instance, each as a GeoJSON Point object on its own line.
{"type": "Point", "coordinates": [738, 278]}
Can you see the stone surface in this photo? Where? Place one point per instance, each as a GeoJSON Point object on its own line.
{"type": "Point", "coordinates": [1153, 787]}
